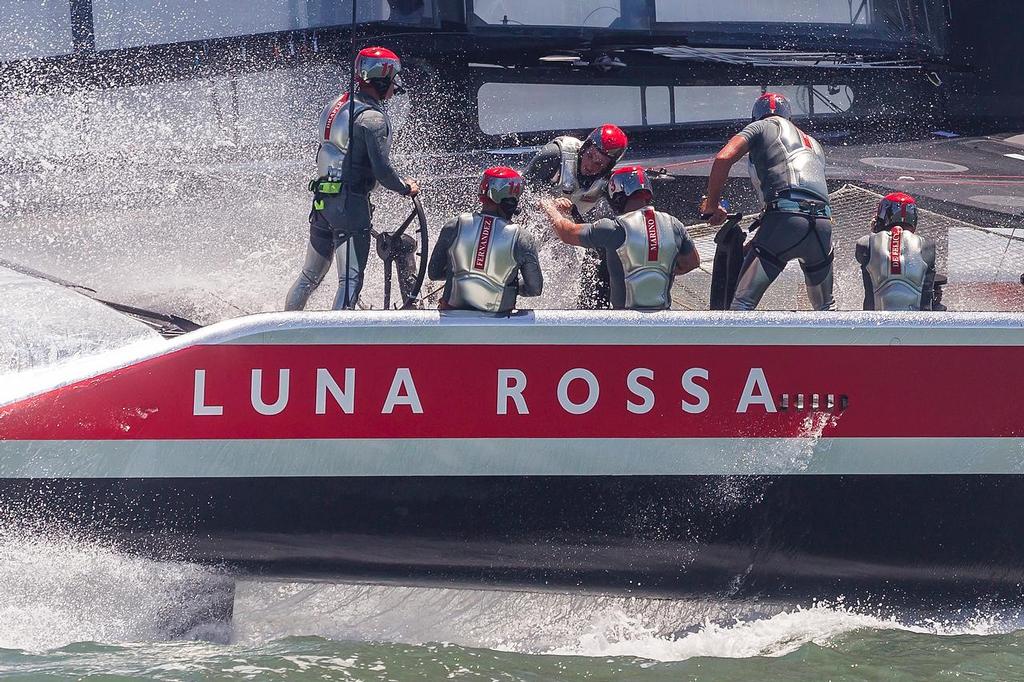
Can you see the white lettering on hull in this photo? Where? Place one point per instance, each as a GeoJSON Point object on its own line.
{"type": "Point", "coordinates": [510, 393]}
{"type": "Point", "coordinates": [199, 406]}
{"type": "Point", "coordinates": [763, 396]}
{"type": "Point", "coordinates": [402, 392]}
{"type": "Point", "coordinates": [511, 384]}
{"type": "Point", "coordinates": [344, 397]}
{"type": "Point", "coordinates": [640, 390]}
{"type": "Point", "coordinates": [256, 393]}
{"type": "Point", "coordinates": [593, 391]}
{"type": "Point", "coordinates": [695, 390]}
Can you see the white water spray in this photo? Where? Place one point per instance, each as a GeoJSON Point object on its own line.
{"type": "Point", "coordinates": [563, 624]}
{"type": "Point", "coordinates": [59, 591]}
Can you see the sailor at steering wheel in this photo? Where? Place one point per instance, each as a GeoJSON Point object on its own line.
{"type": "Point", "coordinates": [349, 169]}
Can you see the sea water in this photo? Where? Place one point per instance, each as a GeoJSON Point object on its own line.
{"type": "Point", "coordinates": [72, 608]}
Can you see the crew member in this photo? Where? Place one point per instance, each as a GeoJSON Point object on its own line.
{"type": "Point", "coordinates": [579, 171]}
{"type": "Point", "coordinates": [898, 264]}
{"type": "Point", "coordinates": [645, 248]}
{"type": "Point", "coordinates": [339, 224]}
{"type": "Point", "coordinates": [485, 259]}
{"type": "Point", "coordinates": [787, 167]}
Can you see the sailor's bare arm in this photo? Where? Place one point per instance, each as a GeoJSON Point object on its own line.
{"type": "Point", "coordinates": [685, 262]}
{"type": "Point", "coordinates": [733, 151]}
{"type": "Point", "coordinates": [567, 229]}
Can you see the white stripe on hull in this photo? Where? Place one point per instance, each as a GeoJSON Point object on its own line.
{"type": "Point", "coordinates": [509, 457]}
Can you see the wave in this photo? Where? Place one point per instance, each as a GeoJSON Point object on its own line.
{"type": "Point", "coordinates": [61, 591]}
{"type": "Point", "coordinates": [562, 624]}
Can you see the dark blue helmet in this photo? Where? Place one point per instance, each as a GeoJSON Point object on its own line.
{"type": "Point", "coordinates": [771, 104]}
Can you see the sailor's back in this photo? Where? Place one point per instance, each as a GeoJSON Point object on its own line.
{"type": "Point", "coordinates": [642, 247]}
{"type": "Point", "coordinates": [485, 259]}
{"type": "Point", "coordinates": [483, 262]}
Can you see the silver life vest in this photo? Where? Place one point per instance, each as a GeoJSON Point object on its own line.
{"type": "Point", "coordinates": [330, 158]}
{"type": "Point", "coordinates": [482, 261]}
{"type": "Point", "coordinates": [648, 257]}
{"type": "Point", "coordinates": [568, 180]}
{"type": "Point", "coordinates": [897, 269]}
{"type": "Point", "coordinates": [795, 161]}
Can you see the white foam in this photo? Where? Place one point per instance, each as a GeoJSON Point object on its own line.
{"type": "Point", "coordinates": [619, 634]}
{"type": "Point", "coordinates": [563, 624]}
{"type": "Point", "coordinates": [776, 635]}
{"type": "Point", "coordinates": [56, 592]}
{"type": "Point", "coordinates": [527, 622]}
{"type": "Point", "coordinates": [42, 323]}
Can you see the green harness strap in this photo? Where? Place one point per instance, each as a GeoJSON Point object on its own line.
{"type": "Point", "coordinates": [323, 187]}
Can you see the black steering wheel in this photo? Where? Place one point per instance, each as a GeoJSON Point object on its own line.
{"type": "Point", "coordinates": [408, 254]}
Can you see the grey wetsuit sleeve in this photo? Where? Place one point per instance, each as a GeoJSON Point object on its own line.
{"type": "Point", "coordinates": [378, 147]}
{"type": "Point", "coordinates": [525, 252]}
{"type": "Point", "coordinates": [928, 289]}
{"type": "Point", "coordinates": [862, 253]}
{"type": "Point", "coordinates": [438, 267]}
{"type": "Point", "coordinates": [544, 166]}
{"type": "Point", "coordinates": [682, 238]}
{"type": "Point", "coordinates": [753, 131]}
{"type": "Point", "coordinates": [602, 234]}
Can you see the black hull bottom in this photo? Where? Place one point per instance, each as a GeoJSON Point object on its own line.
{"type": "Point", "coordinates": [917, 539]}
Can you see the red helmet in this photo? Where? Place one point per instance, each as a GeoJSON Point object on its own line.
{"type": "Point", "coordinates": [609, 140]}
{"type": "Point", "coordinates": [503, 186]}
{"type": "Point", "coordinates": [896, 209]}
{"type": "Point", "coordinates": [378, 67]}
{"type": "Point", "coordinates": [771, 104]}
{"type": "Point", "coordinates": [627, 181]}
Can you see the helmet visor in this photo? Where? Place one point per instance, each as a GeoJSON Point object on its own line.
{"type": "Point", "coordinates": [628, 183]}
{"type": "Point", "coordinates": [371, 68]}
{"type": "Point", "coordinates": [503, 189]}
